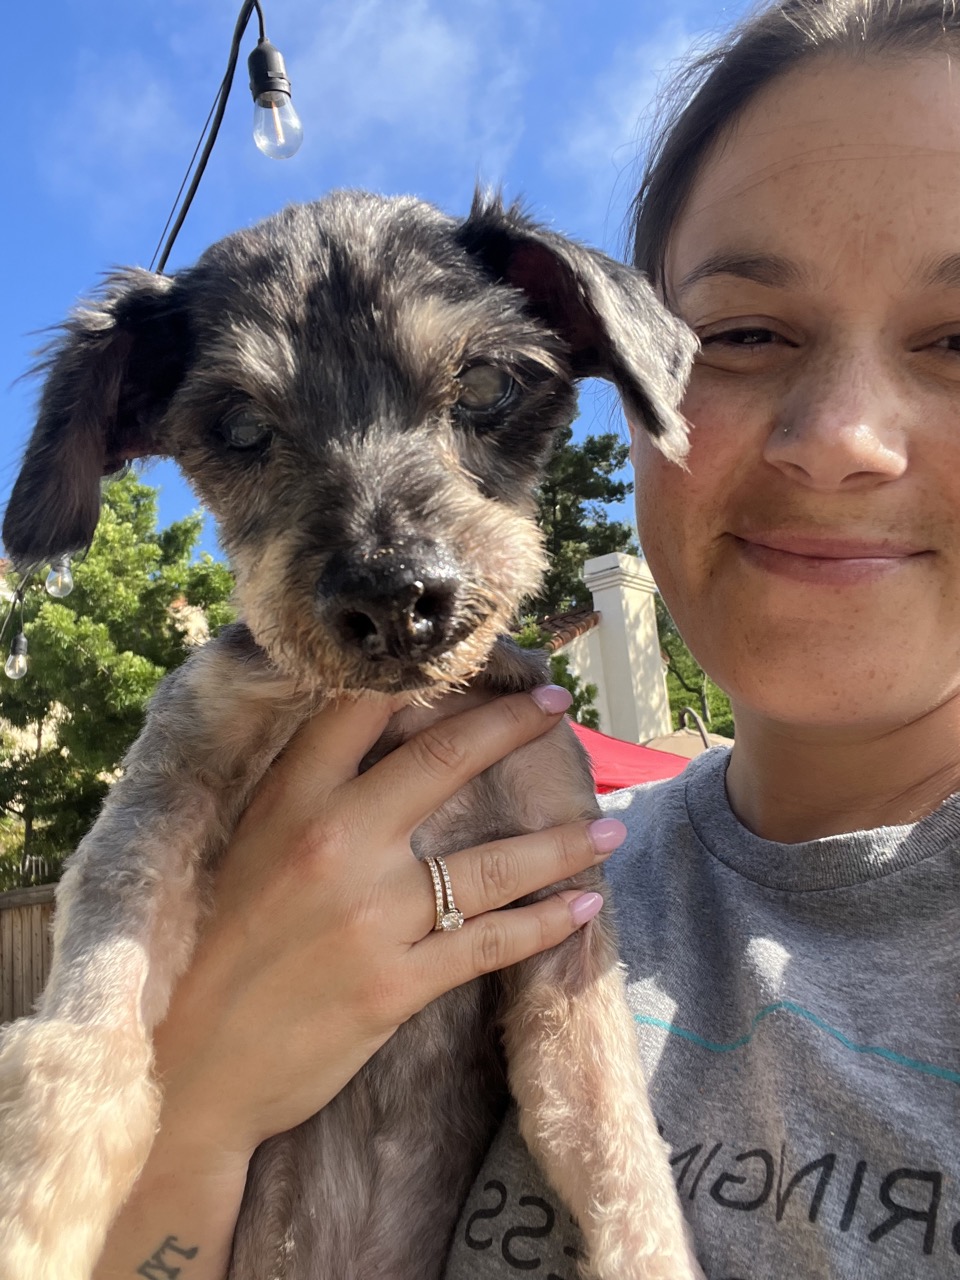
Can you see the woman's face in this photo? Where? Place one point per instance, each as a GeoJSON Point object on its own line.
{"type": "Point", "coordinates": [810, 554]}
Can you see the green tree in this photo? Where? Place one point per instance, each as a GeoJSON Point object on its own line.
{"type": "Point", "coordinates": [688, 685]}
{"type": "Point", "coordinates": [139, 602]}
{"type": "Point", "coordinates": [580, 481]}
{"type": "Point", "coordinates": [531, 635]}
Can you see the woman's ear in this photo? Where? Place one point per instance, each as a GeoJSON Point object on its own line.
{"type": "Point", "coordinates": [108, 380]}
{"type": "Point", "coordinates": [608, 315]}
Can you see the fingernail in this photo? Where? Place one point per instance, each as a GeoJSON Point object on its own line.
{"type": "Point", "coordinates": [551, 698]}
{"type": "Point", "coordinates": [606, 834]}
{"type": "Point", "coordinates": [585, 908]}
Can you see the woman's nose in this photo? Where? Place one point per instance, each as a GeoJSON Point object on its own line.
{"type": "Point", "coordinates": [841, 427]}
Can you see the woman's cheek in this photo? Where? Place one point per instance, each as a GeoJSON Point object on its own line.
{"type": "Point", "coordinates": [663, 518]}
{"type": "Point", "coordinates": [725, 417]}
{"type": "Point", "coordinates": [681, 502]}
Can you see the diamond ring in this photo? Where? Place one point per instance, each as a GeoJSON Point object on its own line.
{"type": "Point", "coordinates": [449, 915]}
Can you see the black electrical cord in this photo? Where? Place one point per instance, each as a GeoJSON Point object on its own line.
{"type": "Point", "coordinates": [216, 112]}
{"type": "Point", "coordinates": [186, 176]}
{"type": "Point", "coordinates": [17, 599]}
{"type": "Point", "coordinates": [15, 604]}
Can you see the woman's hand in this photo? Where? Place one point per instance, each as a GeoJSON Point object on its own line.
{"type": "Point", "coordinates": [320, 943]}
{"type": "Point", "coordinates": [321, 938]}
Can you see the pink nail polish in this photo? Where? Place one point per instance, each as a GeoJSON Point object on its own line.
{"type": "Point", "coordinates": [551, 698]}
{"type": "Point", "coordinates": [606, 834]}
{"type": "Point", "coordinates": [585, 908]}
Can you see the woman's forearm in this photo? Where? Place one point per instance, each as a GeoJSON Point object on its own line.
{"type": "Point", "coordinates": [180, 1217]}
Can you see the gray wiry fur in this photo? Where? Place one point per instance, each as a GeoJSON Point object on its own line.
{"type": "Point", "coordinates": [309, 376]}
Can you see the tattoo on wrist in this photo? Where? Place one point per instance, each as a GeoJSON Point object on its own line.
{"type": "Point", "coordinates": [162, 1265]}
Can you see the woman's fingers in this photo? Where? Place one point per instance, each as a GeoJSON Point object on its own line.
{"type": "Point", "coordinates": [497, 940]}
{"type": "Point", "coordinates": [322, 927]}
{"type": "Point", "coordinates": [493, 875]}
{"type": "Point", "coordinates": [434, 764]}
{"type": "Point", "coordinates": [334, 741]}
{"type": "Point", "coordinates": [325, 752]}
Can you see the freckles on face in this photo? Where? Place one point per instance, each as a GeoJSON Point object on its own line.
{"type": "Point", "coordinates": [810, 552]}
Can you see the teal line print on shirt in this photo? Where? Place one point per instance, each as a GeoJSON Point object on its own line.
{"type": "Point", "coordinates": [788, 1006]}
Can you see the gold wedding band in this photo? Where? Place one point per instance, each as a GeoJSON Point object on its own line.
{"type": "Point", "coordinates": [449, 915]}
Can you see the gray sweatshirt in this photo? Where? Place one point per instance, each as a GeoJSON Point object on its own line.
{"type": "Point", "coordinates": [798, 1014]}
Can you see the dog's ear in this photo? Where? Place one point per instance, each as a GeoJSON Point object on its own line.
{"type": "Point", "coordinates": [108, 379]}
{"type": "Point", "coordinates": [607, 313]}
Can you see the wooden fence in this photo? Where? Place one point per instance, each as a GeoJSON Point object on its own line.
{"type": "Point", "coordinates": [25, 948]}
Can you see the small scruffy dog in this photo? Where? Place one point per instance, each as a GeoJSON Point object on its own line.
{"type": "Point", "coordinates": [364, 392]}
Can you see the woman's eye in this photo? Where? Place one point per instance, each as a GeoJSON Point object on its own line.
{"type": "Point", "coordinates": [485, 387]}
{"type": "Point", "coordinates": [747, 337]}
{"type": "Point", "coordinates": [243, 430]}
{"type": "Point", "coordinates": [950, 342]}
{"type": "Point", "coordinates": [744, 348]}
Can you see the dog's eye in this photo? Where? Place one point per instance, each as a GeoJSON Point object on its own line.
{"type": "Point", "coordinates": [485, 387]}
{"type": "Point", "coordinates": [244, 430]}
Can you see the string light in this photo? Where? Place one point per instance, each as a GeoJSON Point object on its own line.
{"type": "Point", "coordinates": [16, 664]}
{"type": "Point", "coordinates": [276, 130]}
{"type": "Point", "coordinates": [59, 581]}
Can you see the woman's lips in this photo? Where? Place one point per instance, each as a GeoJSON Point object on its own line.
{"type": "Point", "coordinates": [830, 561]}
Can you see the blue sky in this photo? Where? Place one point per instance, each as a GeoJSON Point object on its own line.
{"type": "Point", "coordinates": [546, 97]}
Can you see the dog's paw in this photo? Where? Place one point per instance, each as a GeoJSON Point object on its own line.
{"type": "Point", "coordinates": [78, 1111]}
{"type": "Point", "coordinates": [642, 1256]}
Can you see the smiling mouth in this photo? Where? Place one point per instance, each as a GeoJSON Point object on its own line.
{"type": "Point", "coordinates": [830, 561]}
{"type": "Point", "coordinates": [820, 548]}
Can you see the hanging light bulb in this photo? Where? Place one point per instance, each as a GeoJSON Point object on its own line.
{"type": "Point", "coordinates": [59, 581]}
{"type": "Point", "coordinates": [276, 126]}
{"type": "Point", "coordinates": [277, 130]}
{"type": "Point", "coordinates": [16, 665]}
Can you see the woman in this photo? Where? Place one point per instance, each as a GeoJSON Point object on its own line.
{"type": "Point", "coordinates": [789, 913]}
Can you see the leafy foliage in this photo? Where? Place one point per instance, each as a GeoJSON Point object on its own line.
{"type": "Point", "coordinates": [95, 658]}
{"type": "Point", "coordinates": [688, 685]}
{"type": "Point", "coordinates": [532, 636]}
{"type": "Point", "coordinates": [580, 481]}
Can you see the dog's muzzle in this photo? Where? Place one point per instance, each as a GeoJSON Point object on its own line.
{"type": "Point", "coordinates": [397, 602]}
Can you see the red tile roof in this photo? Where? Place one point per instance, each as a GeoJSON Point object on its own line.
{"type": "Point", "coordinates": [564, 627]}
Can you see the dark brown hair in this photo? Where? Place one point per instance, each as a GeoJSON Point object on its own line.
{"type": "Point", "coordinates": [712, 90]}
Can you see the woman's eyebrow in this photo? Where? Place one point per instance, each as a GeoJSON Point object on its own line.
{"type": "Point", "coordinates": [944, 272]}
{"type": "Point", "coordinates": [761, 268]}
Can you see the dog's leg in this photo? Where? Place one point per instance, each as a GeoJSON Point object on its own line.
{"type": "Point", "coordinates": [78, 1108]}
{"type": "Point", "coordinates": [572, 1056]}
{"type": "Point", "coordinates": [568, 1033]}
{"type": "Point", "coordinates": [584, 1110]}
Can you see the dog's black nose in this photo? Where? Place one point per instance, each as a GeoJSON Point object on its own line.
{"type": "Point", "coordinates": [393, 602]}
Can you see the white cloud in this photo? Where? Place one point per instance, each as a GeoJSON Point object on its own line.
{"type": "Point", "coordinates": [420, 88]}
{"type": "Point", "coordinates": [601, 142]}
{"type": "Point", "coordinates": [414, 81]}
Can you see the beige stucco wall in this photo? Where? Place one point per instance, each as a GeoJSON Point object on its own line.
{"type": "Point", "coordinates": [621, 655]}
{"type": "Point", "coordinates": [586, 660]}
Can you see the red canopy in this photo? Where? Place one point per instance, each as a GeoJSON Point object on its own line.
{"type": "Point", "coordinates": [619, 764]}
